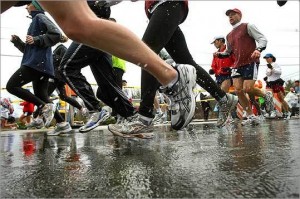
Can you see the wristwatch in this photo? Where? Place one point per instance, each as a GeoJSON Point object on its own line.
{"type": "Point", "coordinates": [259, 49]}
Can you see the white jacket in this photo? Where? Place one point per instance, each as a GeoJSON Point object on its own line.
{"type": "Point", "coordinates": [274, 73]}
{"type": "Point", "coordinates": [292, 99]}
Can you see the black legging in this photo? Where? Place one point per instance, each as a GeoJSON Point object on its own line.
{"type": "Point", "coordinates": [23, 76]}
{"type": "Point", "coordinates": [119, 77]}
{"type": "Point", "coordinates": [39, 80]}
{"type": "Point", "coordinates": [163, 32]}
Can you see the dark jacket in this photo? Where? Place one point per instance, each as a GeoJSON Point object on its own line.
{"type": "Point", "coordinates": [45, 34]}
{"type": "Point", "coordinates": [58, 54]}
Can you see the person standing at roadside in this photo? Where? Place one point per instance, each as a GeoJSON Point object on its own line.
{"type": "Point", "coordinates": [28, 109]}
{"type": "Point", "coordinates": [297, 86]}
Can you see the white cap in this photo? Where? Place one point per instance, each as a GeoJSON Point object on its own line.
{"type": "Point", "coordinates": [217, 37]}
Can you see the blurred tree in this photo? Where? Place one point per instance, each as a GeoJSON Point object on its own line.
{"type": "Point", "coordinates": [288, 85]}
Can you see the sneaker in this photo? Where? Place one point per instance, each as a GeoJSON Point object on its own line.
{"type": "Point", "coordinates": [36, 123]}
{"type": "Point", "coordinates": [84, 112]}
{"type": "Point", "coordinates": [273, 114]}
{"type": "Point", "coordinates": [61, 128]}
{"type": "Point", "coordinates": [158, 118]}
{"type": "Point", "coordinates": [267, 115]}
{"type": "Point", "coordinates": [95, 120]}
{"type": "Point", "coordinates": [48, 114]}
{"type": "Point", "coordinates": [120, 119]}
{"type": "Point", "coordinates": [182, 96]}
{"type": "Point", "coordinates": [226, 108]}
{"type": "Point", "coordinates": [269, 101]}
{"type": "Point", "coordinates": [136, 126]}
{"type": "Point", "coordinates": [252, 119]}
{"type": "Point", "coordinates": [287, 115]}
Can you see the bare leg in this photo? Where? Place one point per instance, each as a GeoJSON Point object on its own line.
{"type": "Point", "coordinates": [156, 103]}
{"type": "Point", "coordinates": [107, 36]}
{"type": "Point", "coordinates": [284, 105]}
{"type": "Point", "coordinates": [226, 85]}
{"type": "Point", "coordinates": [240, 92]}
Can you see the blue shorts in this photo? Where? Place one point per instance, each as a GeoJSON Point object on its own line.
{"type": "Point", "coordinates": [247, 72]}
{"type": "Point", "coordinates": [221, 78]}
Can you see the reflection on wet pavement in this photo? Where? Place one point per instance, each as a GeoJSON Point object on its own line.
{"type": "Point", "coordinates": [201, 161]}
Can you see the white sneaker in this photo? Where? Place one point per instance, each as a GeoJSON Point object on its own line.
{"type": "Point", "coordinates": [48, 114]}
{"type": "Point", "coordinates": [84, 112]}
{"type": "Point", "coordinates": [61, 128]}
{"type": "Point", "coordinates": [158, 118]}
{"type": "Point", "coordinates": [226, 108]}
{"type": "Point", "coordinates": [267, 115]}
{"type": "Point", "coordinates": [36, 123]}
{"type": "Point", "coordinates": [182, 96]}
{"type": "Point", "coordinates": [273, 114]}
{"type": "Point", "coordinates": [252, 119]}
{"type": "Point", "coordinates": [288, 116]}
{"type": "Point", "coordinates": [136, 126]}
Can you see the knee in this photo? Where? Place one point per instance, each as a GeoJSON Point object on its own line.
{"type": "Point", "coordinates": [9, 87]}
{"type": "Point", "coordinates": [239, 91]}
{"type": "Point", "coordinates": [249, 90]}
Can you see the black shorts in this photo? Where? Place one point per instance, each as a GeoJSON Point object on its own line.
{"type": "Point", "coordinates": [221, 78]}
{"type": "Point", "coordinates": [27, 113]}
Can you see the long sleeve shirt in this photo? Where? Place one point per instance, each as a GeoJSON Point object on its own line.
{"type": "Point", "coordinates": [274, 73]}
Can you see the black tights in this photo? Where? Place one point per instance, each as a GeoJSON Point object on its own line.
{"type": "Point", "coordinates": [39, 80]}
{"type": "Point", "coordinates": [163, 32]}
{"type": "Point", "coordinates": [23, 76]}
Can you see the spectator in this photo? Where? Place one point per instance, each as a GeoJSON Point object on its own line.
{"type": "Point", "coordinates": [127, 90]}
{"type": "Point", "coordinates": [7, 110]}
{"type": "Point", "coordinates": [296, 86]}
{"type": "Point", "coordinates": [292, 98]}
{"type": "Point", "coordinates": [28, 109]}
{"type": "Point", "coordinates": [205, 106]}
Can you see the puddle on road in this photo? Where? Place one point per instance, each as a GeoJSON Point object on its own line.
{"type": "Point", "coordinates": [201, 161]}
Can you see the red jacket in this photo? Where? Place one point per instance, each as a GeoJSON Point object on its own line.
{"type": "Point", "coordinates": [218, 63]}
{"type": "Point", "coordinates": [28, 107]}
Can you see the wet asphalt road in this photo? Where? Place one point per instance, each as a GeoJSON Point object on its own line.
{"type": "Point", "coordinates": [202, 162]}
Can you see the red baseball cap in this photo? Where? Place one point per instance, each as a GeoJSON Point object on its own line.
{"type": "Point", "coordinates": [233, 10]}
